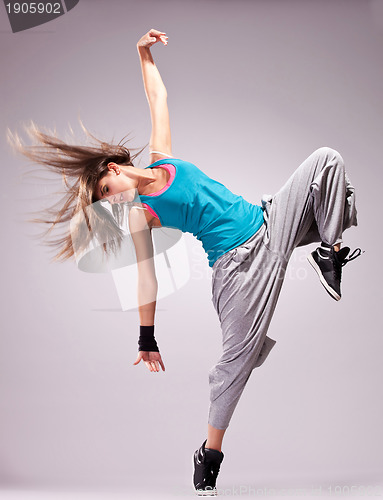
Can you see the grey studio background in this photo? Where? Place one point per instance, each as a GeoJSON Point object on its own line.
{"type": "Point", "coordinates": [254, 87]}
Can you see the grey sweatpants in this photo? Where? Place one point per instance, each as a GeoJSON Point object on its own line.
{"type": "Point", "coordinates": [317, 203]}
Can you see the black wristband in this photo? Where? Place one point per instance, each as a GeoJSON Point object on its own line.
{"type": "Point", "coordinates": [147, 342]}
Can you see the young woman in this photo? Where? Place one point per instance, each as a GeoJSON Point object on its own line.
{"type": "Point", "coordinates": [248, 246]}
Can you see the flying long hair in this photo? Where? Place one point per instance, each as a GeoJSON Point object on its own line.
{"type": "Point", "coordinates": [81, 167]}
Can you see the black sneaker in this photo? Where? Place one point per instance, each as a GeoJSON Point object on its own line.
{"type": "Point", "coordinates": [206, 468]}
{"type": "Point", "coordinates": [328, 264]}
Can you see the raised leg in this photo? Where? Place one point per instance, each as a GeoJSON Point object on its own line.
{"type": "Point", "coordinates": [317, 203]}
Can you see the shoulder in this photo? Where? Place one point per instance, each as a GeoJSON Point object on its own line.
{"type": "Point", "coordinates": [140, 217]}
{"type": "Point", "coordinates": [150, 220]}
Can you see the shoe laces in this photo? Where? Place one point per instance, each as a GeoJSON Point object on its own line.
{"type": "Point", "coordinates": [339, 264]}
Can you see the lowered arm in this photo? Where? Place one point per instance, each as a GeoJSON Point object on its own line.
{"type": "Point", "coordinates": [147, 285]}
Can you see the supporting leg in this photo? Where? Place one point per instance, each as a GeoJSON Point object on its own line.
{"type": "Point", "coordinates": [214, 438]}
{"type": "Point", "coordinates": [246, 287]}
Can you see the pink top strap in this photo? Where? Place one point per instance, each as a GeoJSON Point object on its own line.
{"type": "Point", "coordinates": [172, 171]}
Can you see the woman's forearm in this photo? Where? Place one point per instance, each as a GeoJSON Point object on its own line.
{"type": "Point", "coordinates": [147, 295]}
{"type": "Point", "coordinates": [154, 86]}
{"type": "Point", "coordinates": [147, 313]}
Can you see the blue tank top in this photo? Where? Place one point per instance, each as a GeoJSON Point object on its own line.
{"type": "Point", "coordinates": [197, 204]}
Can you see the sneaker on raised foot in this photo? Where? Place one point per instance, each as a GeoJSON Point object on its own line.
{"type": "Point", "coordinates": [328, 264]}
{"type": "Point", "coordinates": [207, 463]}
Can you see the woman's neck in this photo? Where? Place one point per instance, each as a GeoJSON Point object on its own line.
{"type": "Point", "coordinates": [141, 178]}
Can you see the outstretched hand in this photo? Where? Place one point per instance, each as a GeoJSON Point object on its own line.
{"type": "Point", "coordinates": [151, 37]}
{"type": "Point", "coordinates": [152, 359]}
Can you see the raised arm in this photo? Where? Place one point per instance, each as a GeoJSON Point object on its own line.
{"type": "Point", "coordinates": [156, 94]}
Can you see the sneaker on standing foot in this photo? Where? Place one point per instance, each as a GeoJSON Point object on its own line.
{"type": "Point", "coordinates": [206, 468]}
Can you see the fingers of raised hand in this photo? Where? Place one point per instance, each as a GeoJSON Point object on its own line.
{"type": "Point", "coordinates": [155, 34]}
{"type": "Point", "coordinates": [162, 39]}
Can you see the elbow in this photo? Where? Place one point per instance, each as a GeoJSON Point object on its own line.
{"type": "Point", "coordinates": [148, 283]}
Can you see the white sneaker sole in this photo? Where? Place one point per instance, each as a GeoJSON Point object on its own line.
{"type": "Point", "coordinates": [332, 292]}
{"type": "Point", "coordinates": [207, 493]}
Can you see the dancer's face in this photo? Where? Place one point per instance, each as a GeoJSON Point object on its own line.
{"type": "Point", "coordinates": [115, 186]}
